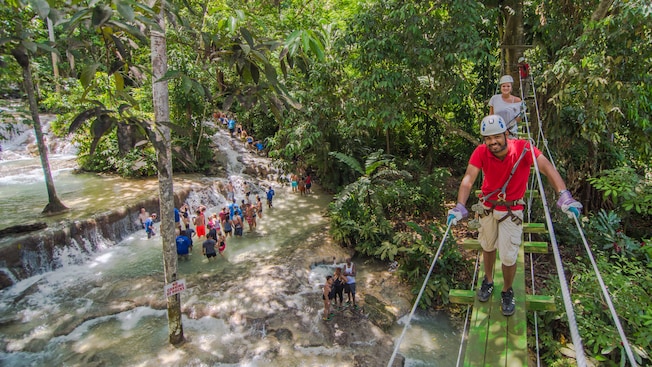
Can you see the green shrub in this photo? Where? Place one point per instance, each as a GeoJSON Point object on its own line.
{"type": "Point", "coordinates": [630, 288]}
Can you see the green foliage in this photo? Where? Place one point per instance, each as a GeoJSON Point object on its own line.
{"type": "Point", "coordinates": [630, 287]}
{"type": "Point", "coordinates": [371, 215]}
{"type": "Point", "coordinates": [626, 189]}
{"type": "Point", "coordinates": [139, 162]}
{"type": "Point", "coordinates": [416, 256]}
{"type": "Point", "coordinates": [605, 232]}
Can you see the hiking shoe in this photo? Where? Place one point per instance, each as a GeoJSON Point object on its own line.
{"type": "Point", "coordinates": [508, 304]}
{"type": "Point", "coordinates": [485, 291]}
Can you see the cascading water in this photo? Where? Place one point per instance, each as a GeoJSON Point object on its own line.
{"type": "Point", "coordinates": [260, 305]}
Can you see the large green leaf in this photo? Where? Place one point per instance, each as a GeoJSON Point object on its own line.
{"type": "Point", "coordinates": [125, 10]}
{"type": "Point", "coordinates": [29, 45]}
{"type": "Point", "coordinates": [170, 74]}
{"type": "Point", "coordinates": [88, 74]}
{"type": "Point", "coordinates": [101, 14]}
{"type": "Point", "coordinates": [48, 48]}
{"type": "Point", "coordinates": [85, 116]}
{"type": "Point", "coordinates": [41, 7]}
{"type": "Point", "coordinates": [350, 161]}
{"type": "Point", "coordinates": [247, 36]}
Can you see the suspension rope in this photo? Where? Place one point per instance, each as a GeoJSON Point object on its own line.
{"type": "Point", "coordinates": [603, 287]}
{"type": "Point", "coordinates": [416, 303]}
{"type": "Point", "coordinates": [568, 304]}
{"type": "Point", "coordinates": [468, 309]}
{"type": "Point", "coordinates": [606, 295]}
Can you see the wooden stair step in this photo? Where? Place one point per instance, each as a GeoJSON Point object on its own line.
{"type": "Point", "coordinates": [535, 247]}
{"type": "Point", "coordinates": [533, 302]}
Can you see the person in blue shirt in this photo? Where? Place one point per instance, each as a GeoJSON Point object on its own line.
{"type": "Point", "coordinates": [149, 226]}
{"type": "Point", "coordinates": [233, 209]}
{"type": "Point", "coordinates": [270, 196]}
{"type": "Point", "coordinates": [177, 218]}
{"type": "Point", "coordinates": [231, 126]}
{"type": "Point", "coordinates": [184, 245]}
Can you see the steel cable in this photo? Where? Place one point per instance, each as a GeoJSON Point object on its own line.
{"type": "Point", "coordinates": [416, 303]}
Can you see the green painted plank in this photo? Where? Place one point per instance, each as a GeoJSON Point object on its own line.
{"type": "Point", "coordinates": [534, 247]}
{"type": "Point", "coordinates": [540, 303]}
{"type": "Point", "coordinates": [478, 332]}
{"type": "Point", "coordinates": [461, 296]}
{"type": "Point", "coordinates": [534, 228]}
{"type": "Point", "coordinates": [517, 323]}
{"type": "Point", "coordinates": [532, 302]}
{"type": "Point", "coordinates": [497, 338]}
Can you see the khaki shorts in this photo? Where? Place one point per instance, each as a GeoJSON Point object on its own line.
{"type": "Point", "coordinates": [504, 236]}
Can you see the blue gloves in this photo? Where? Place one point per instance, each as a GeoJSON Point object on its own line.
{"type": "Point", "coordinates": [569, 205]}
{"type": "Point", "coordinates": [457, 213]}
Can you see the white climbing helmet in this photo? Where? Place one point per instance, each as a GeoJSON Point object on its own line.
{"type": "Point", "coordinates": [506, 79]}
{"type": "Point", "coordinates": [492, 125]}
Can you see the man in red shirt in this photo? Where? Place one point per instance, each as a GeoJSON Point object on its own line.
{"type": "Point", "coordinates": [505, 164]}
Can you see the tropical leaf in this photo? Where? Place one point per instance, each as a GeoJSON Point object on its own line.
{"type": "Point", "coordinates": [88, 74]}
{"type": "Point", "coordinates": [84, 116]}
{"type": "Point", "coordinates": [101, 14]}
{"type": "Point", "coordinates": [41, 7]}
{"type": "Point", "coordinates": [349, 161]}
{"type": "Point", "coordinates": [125, 10]}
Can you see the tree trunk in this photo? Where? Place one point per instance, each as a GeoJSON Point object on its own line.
{"type": "Point", "coordinates": [160, 137]}
{"type": "Point", "coordinates": [512, 39]}
{"type": "Point", "coordinates": [55, 59]}
{"type": "Point", "coordinates": [54, 204]}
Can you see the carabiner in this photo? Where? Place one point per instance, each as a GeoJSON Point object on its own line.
{"type": "Point", "coordinates": [502, 196]}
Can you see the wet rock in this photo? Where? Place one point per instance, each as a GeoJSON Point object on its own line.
{"type": "Point", "coordinates": [378, 313]}
{"type": "Point", "coordinates": [22, 228]}
{"type": "Point", "coordinates": [283, 335]}
{"type": "Point", "coordinates": [372, 360]}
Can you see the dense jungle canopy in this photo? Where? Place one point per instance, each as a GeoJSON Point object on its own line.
{"type": "Point", "coordinates": [381, 100]}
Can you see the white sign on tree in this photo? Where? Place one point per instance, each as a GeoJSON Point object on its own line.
{"type": "Point", "coordinates": [175, 287]}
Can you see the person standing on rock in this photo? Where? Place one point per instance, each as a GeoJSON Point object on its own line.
{"type": "Point", "coordinates": [349, 288]}
{"type": "Point", "coordinates": [237, 224]}
{"type": "Point", "coordinates": [339, 280]}
{"type": "Point", "coordinates": [208, 247]}
{"type": "Point", "coordinates": [302, 186]}
{"type": "Point", "coordinates": [228, 227]}
{"type": "Point", "coordinates": [185, 216]}
{"type": "Point", "coordinates": [327, 296]}
{"type": "Point", "coordinates": [259, 207]}
{"type": "Point", "coordinates": [270, 197]}
{"type": "Point", "coordinates": [149, 226]}
{"type": "Point", "coordinates": [184, 245]}
{"type": "Point", "coordinates": [221, 244]}
{"type": "Point", "coordinates": [294, 182]}
{"type": "Point", "coordinates": [308, 184]}
{"type": "Point", "coordinates": [142, 217]}
{"type": "Point", "coordinates": [230, 191]}
{"type": "Point", "coordinates": [200, 222]}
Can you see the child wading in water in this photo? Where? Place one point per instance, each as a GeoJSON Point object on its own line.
{"type": "Point", "coordinates": [327, 296]}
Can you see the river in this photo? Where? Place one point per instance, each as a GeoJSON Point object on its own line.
{"type": "Point", "coordinates": [259, 305]}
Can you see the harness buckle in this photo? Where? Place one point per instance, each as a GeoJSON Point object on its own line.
{"type": "Point", "coordinates": [502, 196]}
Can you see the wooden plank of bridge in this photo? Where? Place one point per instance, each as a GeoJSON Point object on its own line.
{"type": "Point", "coordinates": [476, 346]}
{"type": "Point", "coordinates": [517, 323]}
{"type": "Point", "coordinates": [496, 340]}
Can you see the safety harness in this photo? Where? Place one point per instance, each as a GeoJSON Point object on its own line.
{"type": "Point", "coordinates": [482, 210]}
